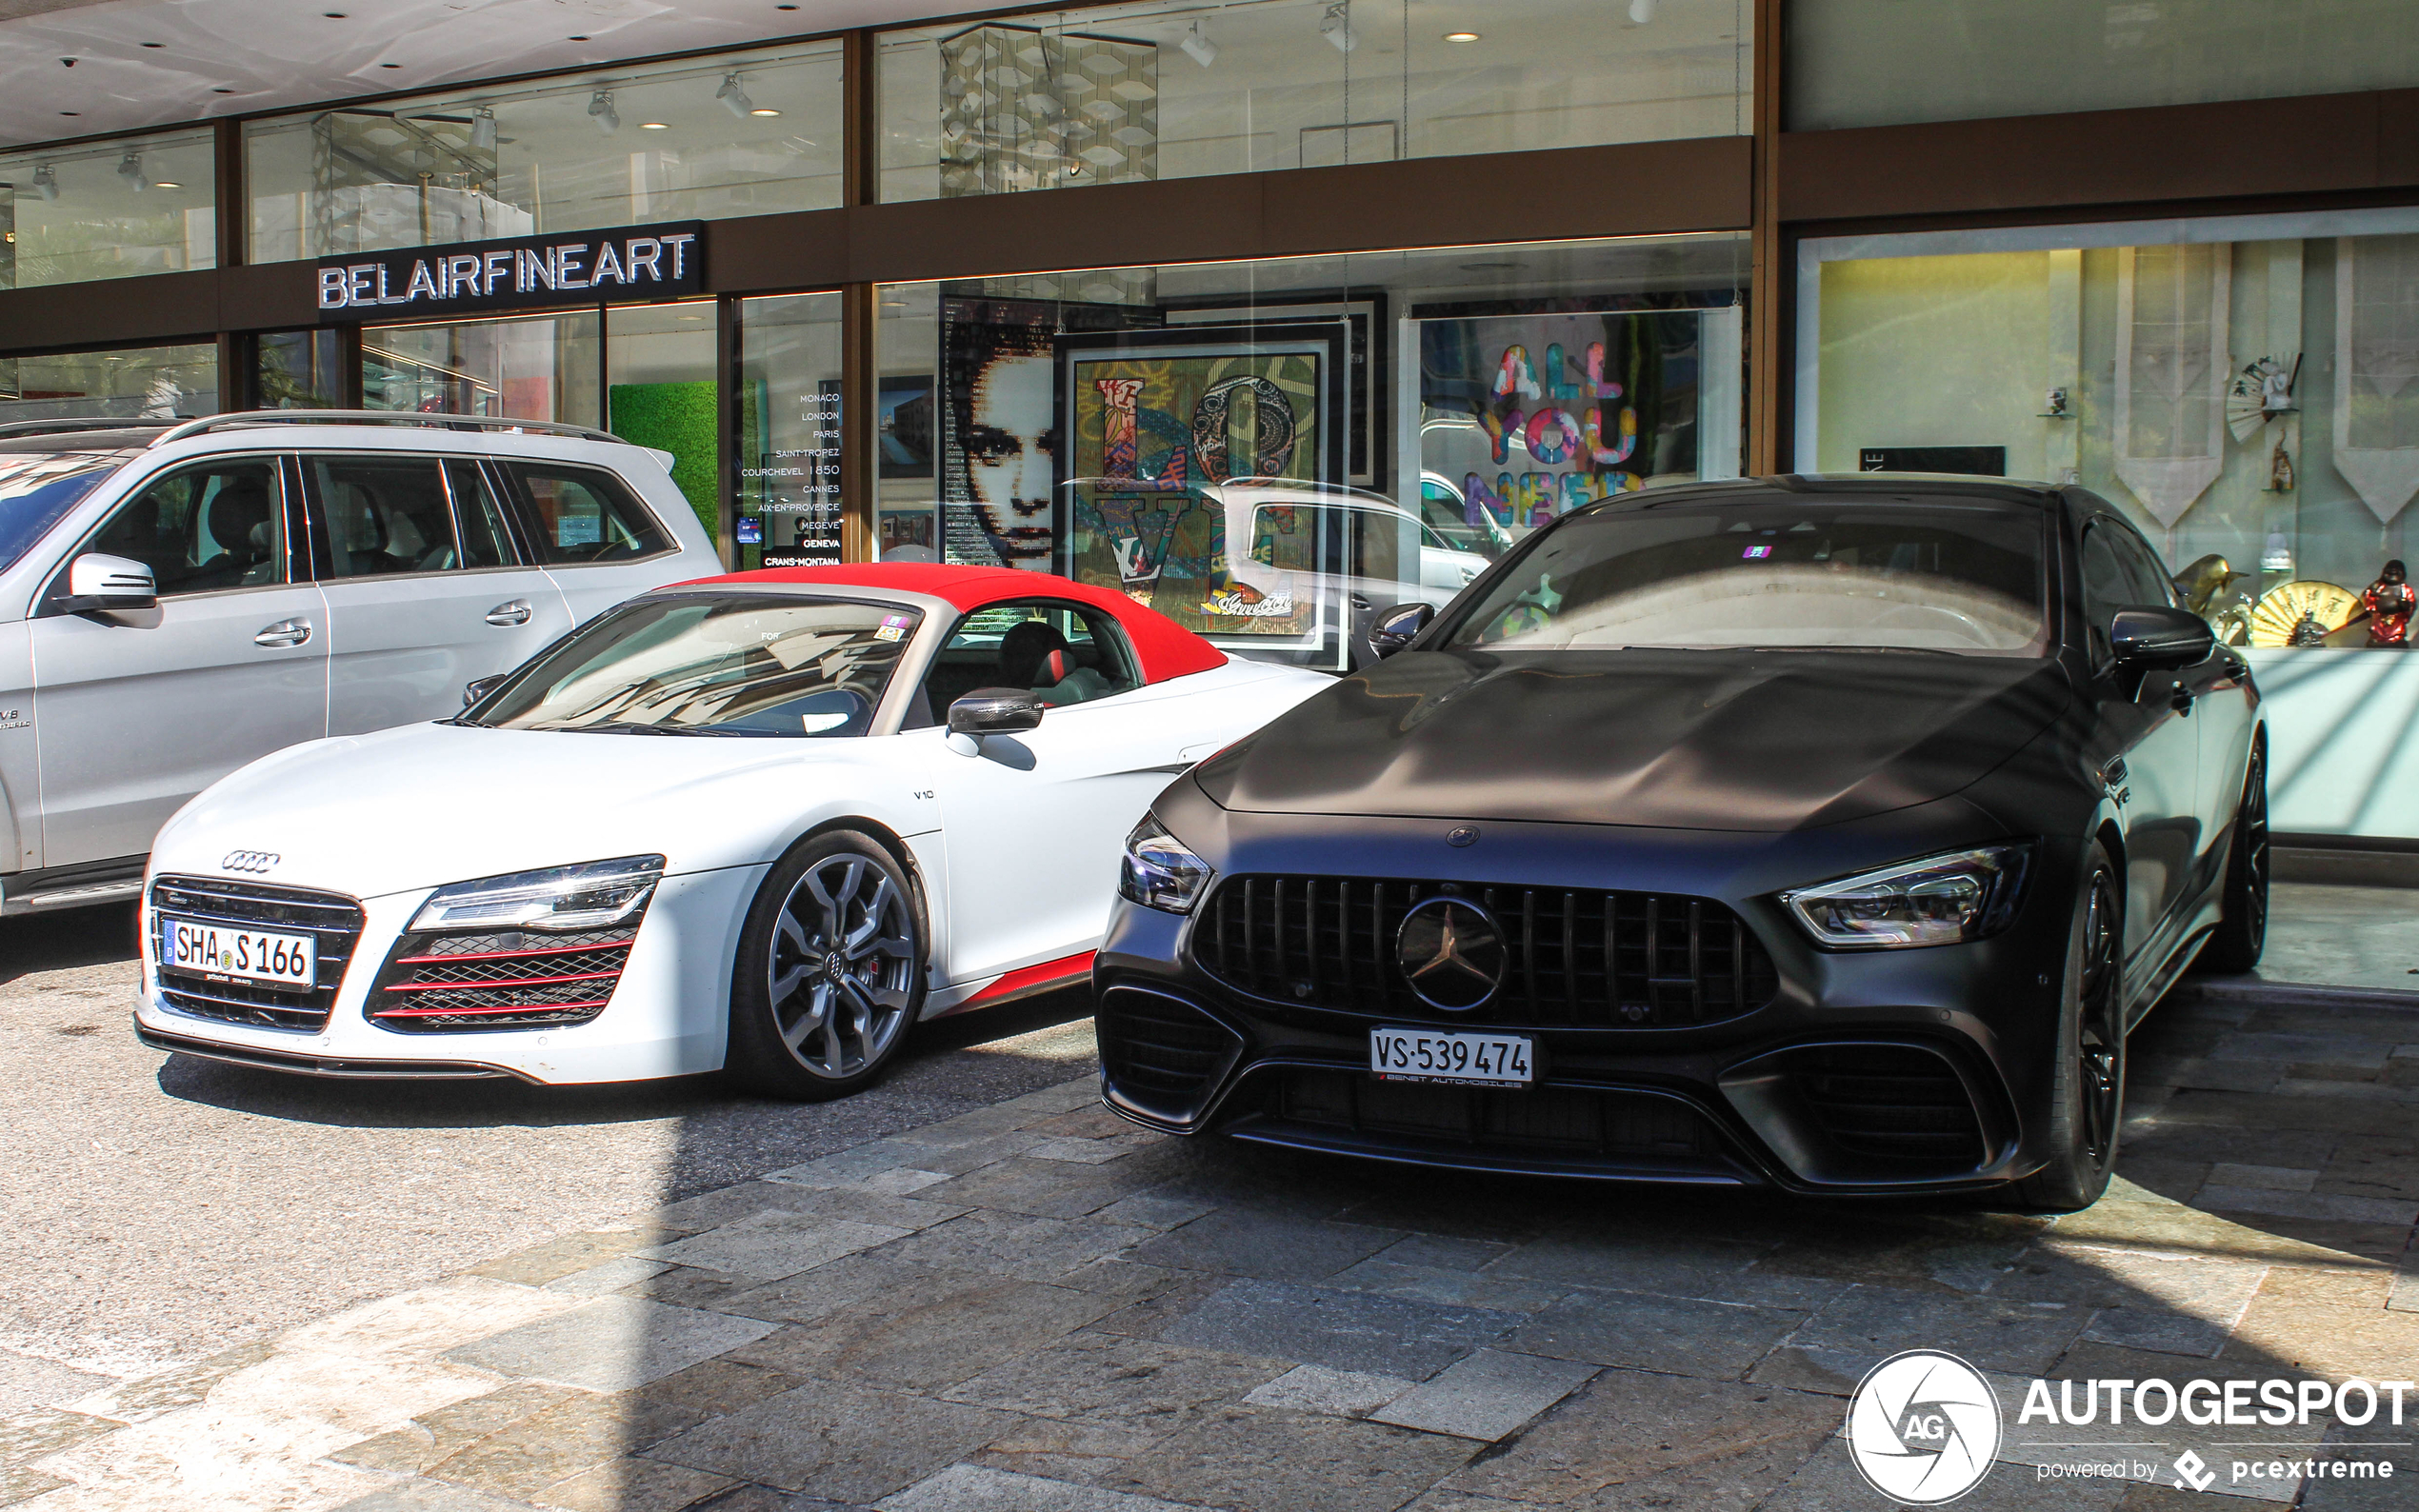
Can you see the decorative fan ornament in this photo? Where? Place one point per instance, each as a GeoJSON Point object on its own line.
{"type": "Point", "coordinates": [2301, 613]}
{"type": "Point", "coordinates": [2261, 392]}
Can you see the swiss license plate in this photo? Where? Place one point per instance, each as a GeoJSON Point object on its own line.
{"type": "Point", "coordinates": [247, 955]}
{"type": "Point", "coordinates": [1471, 1059]}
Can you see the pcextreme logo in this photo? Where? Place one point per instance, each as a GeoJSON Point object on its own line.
{"type": "Point", "coordinates": [1923, 1427]}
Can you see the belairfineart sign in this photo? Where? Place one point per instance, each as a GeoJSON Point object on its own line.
{"type": "Point", "coordinates": [520, 272]}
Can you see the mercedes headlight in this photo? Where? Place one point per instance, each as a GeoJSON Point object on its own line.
{"type": "Point", "coordinates": [1160, 872]}
{"type": "Point", "coordinates": [590, 895]}
{"type": "Point", "coordinates": [1939, 900]}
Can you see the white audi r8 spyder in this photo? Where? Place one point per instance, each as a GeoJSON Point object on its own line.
{"type": "Point", "coordinates": [763, 823]}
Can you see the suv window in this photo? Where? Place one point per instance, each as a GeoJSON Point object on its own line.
{"type": "Point", "coordinates": [217, 524]}
{"type": "Point", "coordinates": [1065, 654]}
{"type": "Point", "coordinates": [585, 514]}
{"type": "Point", "coordinates": [377, 516]}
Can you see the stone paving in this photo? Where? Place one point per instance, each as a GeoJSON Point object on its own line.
{"type": "Point", "coordinates": [1034, 1308]}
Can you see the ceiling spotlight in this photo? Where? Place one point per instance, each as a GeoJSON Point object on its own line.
{"type": "Point", "coordinates": [733, 98]}
{"type": "Point", "coordinates": [1641, 11]}
{"type": "Point", "coordinates": [482, 130]}
{"type": "Point", "coordinates": [600, 105]}
{"type": "Point", "coordinates": [764, 110]}
{"type": "Point", "coordinates": [655, 126]}
{"type": "Point", "coordinates": [130, 169]}
{"type": "Point", "coordinates": [46, 181]}
{"type": "Point", "coordinates": [168, 182]}
{"type": "Point", "coordinates": [1461, 37]}
{"type": "Point", "coordinates": [1336, 25]}
{"type": "Point", "coordinates": [1197, 44]}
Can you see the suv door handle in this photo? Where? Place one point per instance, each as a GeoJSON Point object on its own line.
{"type": "Point", "coordinates": [285, 632]}
{"type": "Point", "coordinates": [514, 613]}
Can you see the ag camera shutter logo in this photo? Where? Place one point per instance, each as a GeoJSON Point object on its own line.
{"type": "Point", "coordinates": [1923, 1427]}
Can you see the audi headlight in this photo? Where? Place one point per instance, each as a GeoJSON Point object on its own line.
{"type": "Point", "coordinates": [1160, 872]}
{"type": "Point", "coordinates": [1939, 900]}
{"type": "Point", "coordinates": [591, 895]}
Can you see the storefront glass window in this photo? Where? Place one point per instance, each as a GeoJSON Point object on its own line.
{"type": "Point", "coordinates": [660, 393]}
{"type": "Point", "coordinates": [788, 508]}
{"type": "Point", "coordinates": [136, 382]}
{"type": "Point", "coordinates": [108, 209]}
{"type": "Point", "coordinates": [1379, 427]}
{"type": "Point", "coordinates": [301, 369]}
{"type": "Point", "coordinates": [541, 368]}
{"type": "Point", "coordinates": [1891, 62]}
{"type": "Point", "coordinates": [2243, 389]}
{"type": "Point", "coordinates": [743, 134]}
{"type": "Point", "coordinates": [1175, 89]}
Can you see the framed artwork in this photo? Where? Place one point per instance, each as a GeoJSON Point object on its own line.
{"type": "Point", "coordinates": [902, 425]}
{"type": "Point", "coordinates": [1365, 408]}
{"type": "Point", "coordinates": [1156, 423]}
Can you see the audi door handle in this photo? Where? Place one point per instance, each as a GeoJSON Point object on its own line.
{"type": "Point", "coordinates": [285, 632]}
{"type": "Point", "coordinates": [517, 612]}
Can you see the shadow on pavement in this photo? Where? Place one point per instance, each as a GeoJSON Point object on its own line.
{"type": "Point", "coordinates": [56, 941]}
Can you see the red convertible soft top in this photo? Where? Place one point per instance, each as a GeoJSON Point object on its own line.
{"type": "Point", "coordinates": [1166, 648]}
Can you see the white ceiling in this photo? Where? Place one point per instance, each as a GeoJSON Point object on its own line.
{"type": "Point", "coordinates": [226, 57]}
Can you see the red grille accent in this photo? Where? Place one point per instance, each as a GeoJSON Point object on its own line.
{"type": "Point", "coordinates": [434, 983]}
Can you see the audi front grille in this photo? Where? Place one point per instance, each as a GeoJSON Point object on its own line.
{"type": "Point", "coordinates": [333, 920]}
{"type": "Point", "coordinates": [1578, 959]}
{"type": "Point", "coordinates": [509, 979]}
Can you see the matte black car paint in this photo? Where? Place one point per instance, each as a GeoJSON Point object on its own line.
{"type": "Point", "coordinates": [1736, 776]}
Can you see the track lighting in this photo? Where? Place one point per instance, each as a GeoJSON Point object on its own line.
{"type": "Point", "coordinates": [1336, 25]}
{"type": "Point", "coordinates": [600, 105]}
{"type": "Point", "coordinates": [130, 169]}
{"type": "Point", "coordinates": [46, 181]}
{"type": "Point", "coordinates": [734, 98]}
{"type": "Point", "coordinates": [482, 130]}
{"type": "Point", "coordinates": [1197, 44]}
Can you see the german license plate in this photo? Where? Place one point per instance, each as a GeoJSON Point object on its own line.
{"type": "Point", "coordinates": [1469, 1060]}
{"type": "Point", "coordinates": [245, 955]}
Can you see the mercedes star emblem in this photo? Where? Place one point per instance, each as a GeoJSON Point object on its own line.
{"type": "Point", "coordinates": [253, 861]}
{"type": "Point", "coordinates": [1451, 953]}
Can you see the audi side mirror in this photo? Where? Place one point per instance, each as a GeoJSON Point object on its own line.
{"type": "Point", "coordinates": [2158, 637]}
{"type": "Point", "coordinates": [995, 711]}
{"type": "Point", "coordinates": [479, 687]}
{"type": "Point", "coordinates": [98, 582]}
{"type": "Point", "coordinates": [1392, 627]}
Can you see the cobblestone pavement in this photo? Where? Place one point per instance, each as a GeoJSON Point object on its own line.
{"type": "Point", "coordinates": [1030, 1307]}
{"type": "Point", "coordinates": [158, 1209]}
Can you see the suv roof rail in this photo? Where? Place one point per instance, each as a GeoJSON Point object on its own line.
{"type": "Point", "coordinates": [61, 428]}
{"type": "Point", "coordinates": [414, 418]}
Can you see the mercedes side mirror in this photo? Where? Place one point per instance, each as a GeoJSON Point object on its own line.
{"type": "Point", "coordinates": [1392, 627]}
{"type": "Point", "coordinates": [2159, 637]}
{"type": "Point", "coordinates": [98, 582]}
{"type": "Point", "coordinates": [995, 711]}
{"type": "Point", "coordinates": [479, 687]}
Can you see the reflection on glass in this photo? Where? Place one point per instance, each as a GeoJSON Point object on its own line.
{"type": "Point", "coordinates": [1926, 575]}
{"type": "Point", "coordinates": [543, 368]}
{"type": "Point", "coordinates": [788, 508]}
{"type": "Point", "coordinates": [1269, 452]}
{"type": "Point", "coordinates": [714, 665]}
{"type": "Point", "coordinates": [1175, 89]}
{"type": "Point", "coordinates": [300, 369]}
{"type": "Point", "coordinates": [740, 134]}
{"type": "Point", "coordinates": [135, 383]}
{"type": "Point", "coordinates": [118, 208]}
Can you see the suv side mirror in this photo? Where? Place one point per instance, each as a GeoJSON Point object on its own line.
{"type": "Point", "coordinates": [1392, 627]}
{"type": "Point", "coordinates": [479, 687]}
{"type": "Point", "coordinates": [98, 582]}
{"type": "Point", "coordinates": [2159, 637]}
{"type": "Point", "coordinates": [995, 711]}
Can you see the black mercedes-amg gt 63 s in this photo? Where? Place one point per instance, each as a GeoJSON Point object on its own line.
{"type": "Point", "coordinates": [1824, 832]}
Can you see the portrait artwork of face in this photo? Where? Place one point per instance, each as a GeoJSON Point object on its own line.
{"type": "Point", "coordinates": [1009, 446]}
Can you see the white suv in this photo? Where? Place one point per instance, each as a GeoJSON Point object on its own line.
{"type": "Point", "coordinates": [177, 600]}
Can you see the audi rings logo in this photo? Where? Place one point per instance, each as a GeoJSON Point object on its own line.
{"type": "Point", "coordinates": [1451, 953]}
{"type": "Point", "coordinates": [1923, 1427]}
{"type": "Point", "coordinates": [251, 861]}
